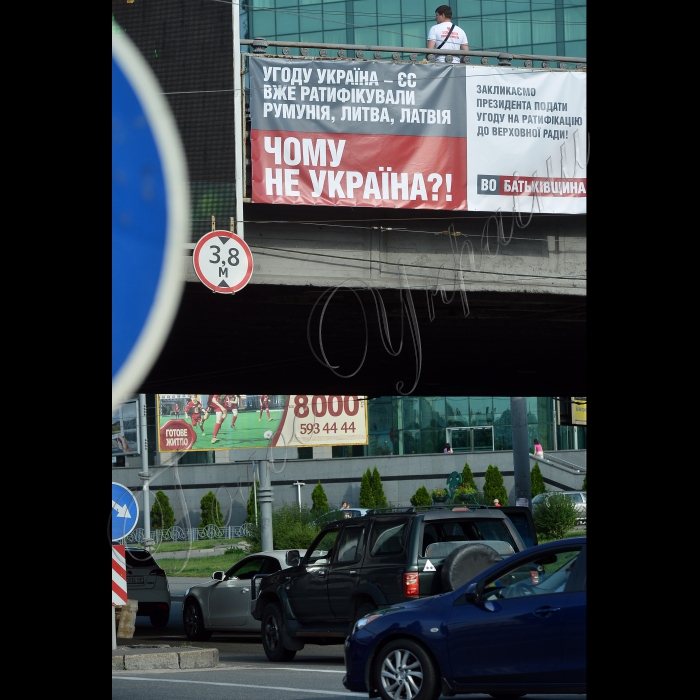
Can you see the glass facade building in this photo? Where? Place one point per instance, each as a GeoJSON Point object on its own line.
{"type": "Point", "coordinates": [422, 424]}
{"type": "Point", "coordinates": [547, 27]}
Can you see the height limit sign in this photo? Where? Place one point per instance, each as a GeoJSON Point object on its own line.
{"type": "Point", "coordinates": [223, 261]}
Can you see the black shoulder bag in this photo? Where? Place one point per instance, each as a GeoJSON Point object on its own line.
{"type": "Point", "coordinates": [449, 34]}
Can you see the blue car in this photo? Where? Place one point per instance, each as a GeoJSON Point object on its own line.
{"type": "Point", "coordinates": [518, 627]}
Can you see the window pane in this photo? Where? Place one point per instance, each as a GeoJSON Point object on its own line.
{"type": "Point", "coordinates": [263, 24]}
{"type": "Point", "coordinates": [576, 48]}
{"type": "Point", "coordinates": [494, 28]}
{"type": "Point", "coordinates": [519, 31]}
{"type": "Point", "coordinates": [492, 7]}
{"type": "Point", "coordinates": [574, 23]}
{"type": "Point", "coordinates": [480, 410]}
{"type": "Point", "coordinates": [457, 411]}
{"type": "Point", "coordinates": [432, 412]}
{"type": "Point", "coordinates": [414, 34]}
{"type": "Point", "coordinates": [544, 28]}
{"type": "Point", "coordinates": [472, 29]}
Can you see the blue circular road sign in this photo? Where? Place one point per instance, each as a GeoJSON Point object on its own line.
{"type": "Point", "coordinates": [150, 218]}
{"type": "Point", "coordinates": [125, 511]}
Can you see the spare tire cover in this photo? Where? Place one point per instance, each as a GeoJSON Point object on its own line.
{"type": "Point", "coordinates": [465, 562]}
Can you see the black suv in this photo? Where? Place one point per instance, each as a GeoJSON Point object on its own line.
{"type": "Point", "coordinates": [390, 555]}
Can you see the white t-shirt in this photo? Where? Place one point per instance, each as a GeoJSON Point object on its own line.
{"type": "Point", "coordinates": [439, 31]}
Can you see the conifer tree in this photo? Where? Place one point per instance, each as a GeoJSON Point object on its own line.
{"type": "Point", "coordinates": [319, 501]}
{"type": "Point", "coordinates": [211, 511]}
{"type": "Point", "coordinates": [494, 486]}
{"type": "Point", "coordinates": [366, 491]}
{"type": "Point", "coordinates": [421, 497]}
{"type": "Point", "coordinates": [378, 490]}
{"type": "Point", "coordinates": [250, 506]}
{"type": "Point", "coordinates": [468, 477]}
{"type": "Point", "coordinates": [536, 481]}
{"type": "Point", "coordinates": [162, 514]}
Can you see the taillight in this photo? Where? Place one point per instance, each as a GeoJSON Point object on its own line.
{"type": "Point", "coordinates": [411, 587]}
{"type": "Point", "coordinates": [157, 572]}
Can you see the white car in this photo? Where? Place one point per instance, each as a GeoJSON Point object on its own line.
{"type": "Point", "coordinates": [147, 583]}
{"type": "Point", "coordinates": [224, 604]}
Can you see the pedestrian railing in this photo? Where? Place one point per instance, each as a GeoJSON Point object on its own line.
{"type": "Point", "coordinates": [192, 534]}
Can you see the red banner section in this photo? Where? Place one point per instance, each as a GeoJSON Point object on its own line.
{"type": "Point", "coordinates": [359, 170]}
{"type": "Point", "coordinates": [177, 436]}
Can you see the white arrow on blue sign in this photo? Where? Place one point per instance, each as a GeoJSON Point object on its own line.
{"type": "Point", "coordinates": [150, 218]}
{"type": "Point", "coordinates": [125, 511]}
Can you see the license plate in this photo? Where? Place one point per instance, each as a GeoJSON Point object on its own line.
{"type": "Point", "coordinates": [134, 579]}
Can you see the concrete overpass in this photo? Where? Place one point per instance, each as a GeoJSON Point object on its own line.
{"type": "Point", "coordinates": [479, 317]}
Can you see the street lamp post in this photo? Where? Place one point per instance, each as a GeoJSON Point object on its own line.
{"type": "Point", "coordinates": [299, 484]}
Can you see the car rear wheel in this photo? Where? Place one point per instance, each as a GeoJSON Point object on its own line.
{"type": "Point", "coordinates": [160, 618]}
{"type": "Point", "coordinates": [404, 671]}
{"type": "Point", "coordinates": [272, 634]}
{"type": "Point", "coordinates": [194, 622]}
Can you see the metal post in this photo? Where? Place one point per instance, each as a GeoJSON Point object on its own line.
{"type": "Point", "coordinates": [265, 500]}
{"type": "Point", "coordinates": [299, 484]}
{"type": "Point", "coordinates": [144, 475]}
{"type": "Point", "coordinates": [238, 110]}
{"type": "Point", "coordinates": [521, 447]}
{"type": "Point", "coordinates": [554, 414]}
{"type": "Point", "coordinates": [114, 629]}
{"type": "Point", "coordinates": [255, 491]}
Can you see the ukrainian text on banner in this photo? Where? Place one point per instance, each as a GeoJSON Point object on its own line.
{"type": "Point", "coordinates": [203, 422]}
{"type": "Point", "coordinates": [431, 136]}
{"type": "Point", "coordinates": [526, 140]}
{"type": "Point", "coordinates": [357, 133]}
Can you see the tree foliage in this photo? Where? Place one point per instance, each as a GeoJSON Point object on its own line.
{"type": "Point", "coordinates": [468, 477]}
{"type": "Point", "coordinates": [366, 491]}
{"type": "Point", "coordinates": [494, 486]}
{"type": "Point", "coordinates": [250, 506]}
{"type": "Point", "coordinates": [554, 516]}
{"type": "Point", "coordinates": [162, 514]}
{"type": "Point", "coordinates": [536, 481]}
{"type": "Point", "coordinates": [421, 497]}
{"type": "Point", "coordinates": [211, 511]}
{"type": "Point", "coordinates": [378, 490]}
{"type": "Point", "coordinates": [319, 502]}
{"type": "Point", "coordinates": [292, 528]}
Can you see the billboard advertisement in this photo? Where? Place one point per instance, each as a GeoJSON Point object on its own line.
{"type": "Point", "coordinates": [125, 429]}
{"type": "Point", "coordinates": [198, 422]}
{"type": "Point", "coordinates": [420, 136]}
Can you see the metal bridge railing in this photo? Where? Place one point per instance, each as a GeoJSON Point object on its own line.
{"type": "Point", "coordinates": [374, 53]}
{"type": "Point", "coordinates": [193, 534]}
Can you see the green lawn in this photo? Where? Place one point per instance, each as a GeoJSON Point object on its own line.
{"type": "Point", "coordinates": [198, 544]}
{"type": "Point", "coordinates": [249, 431]}
{"type": "Point", "coordinates": [198, 567]}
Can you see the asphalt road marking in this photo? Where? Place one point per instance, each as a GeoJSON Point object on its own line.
{"type": "Point", "coordinates": [236, 685]}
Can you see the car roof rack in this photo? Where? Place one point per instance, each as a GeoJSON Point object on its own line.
{"type": "Point", "coordinates": [420, 509]}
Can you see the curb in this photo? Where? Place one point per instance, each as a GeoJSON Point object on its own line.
{"type": "Point", "coordinates": [146, 657]}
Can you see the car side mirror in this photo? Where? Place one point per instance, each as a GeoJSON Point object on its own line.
{"type": "Point", "coordinates": [473, 593]}
{"type": "Point", "coordinates": [292, 557]}
{"type": "Point", "coordinates": [219, 576]}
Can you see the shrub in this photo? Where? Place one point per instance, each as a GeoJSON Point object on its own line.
{"type": "Point", "coordinates": [211, 511]}
{"type": "Point", "coordinates": [162, 514]}
{"type": "Point", "coordinates": [494, 486]}
{"type": "Point", "coordinates": [250, 506]}
{"type": "Point", "coordinates": [468, 477]}
{"type": "Point", "coordinates": [421, 497]}
{"type": "Point", "coordinates": [554, 516]}
{"type": "Point", "coordinates": [292, 528]}
{"type": "Point", "coordinates": [536, 481]}
{"type": "Point", "coordinates": [438, 493]}
{"type": "Point", "coordinates": [378, 490]}
{"type": "Point", "coordinates": [366, 491]}
{"type": "Point", "coordinates": [319, 502]}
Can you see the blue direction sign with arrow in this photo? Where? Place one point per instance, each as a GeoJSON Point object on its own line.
{"type": "Point", "coordinates": [125, 511]}
{"type": "Point", "coordinates": [150, 218]}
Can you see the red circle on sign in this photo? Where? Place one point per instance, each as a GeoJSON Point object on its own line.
{"type": "Point", "coordinates": [220, 285]}
{"type": "Point", "coordinates": [177, 436]}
